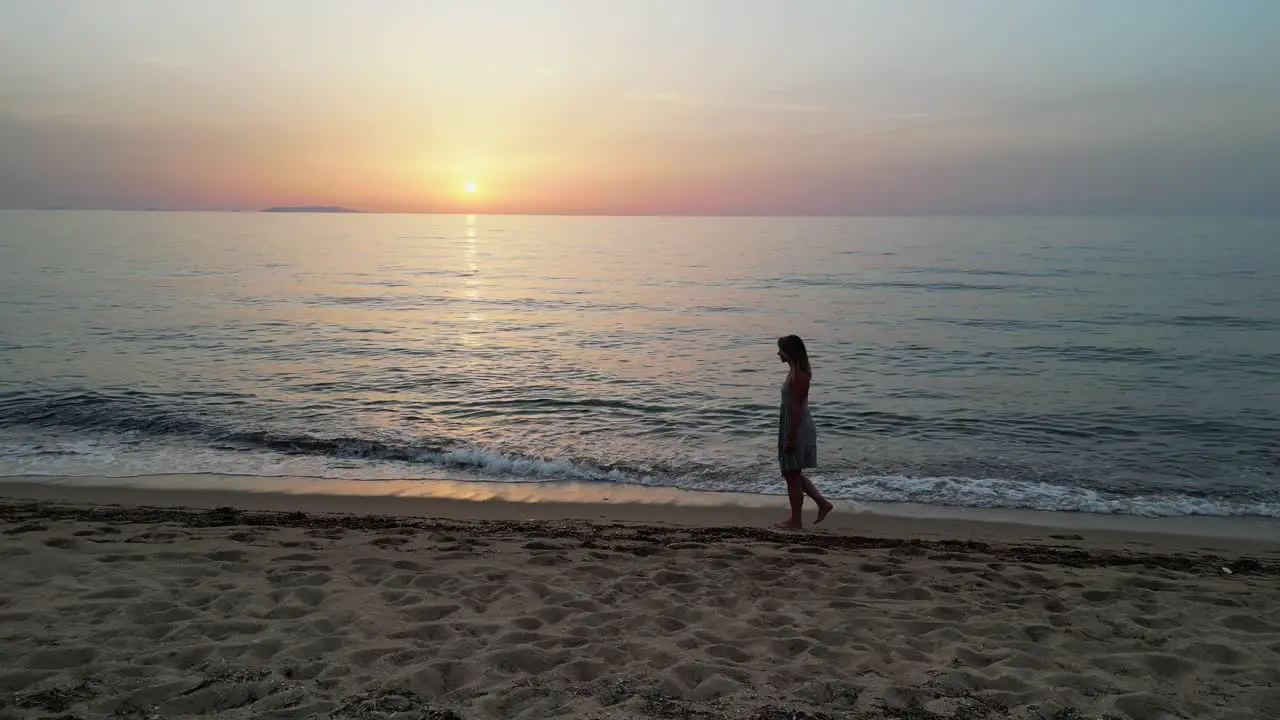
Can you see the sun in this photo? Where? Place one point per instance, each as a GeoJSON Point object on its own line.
{"type": "Point", "coordinates": [469, 186]}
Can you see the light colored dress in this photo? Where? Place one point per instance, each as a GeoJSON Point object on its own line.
{"type": "Point", "coordinates": [805, 453]}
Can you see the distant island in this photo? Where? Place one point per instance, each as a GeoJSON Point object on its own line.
{"type": "Point", "coordinates": [310, 209]}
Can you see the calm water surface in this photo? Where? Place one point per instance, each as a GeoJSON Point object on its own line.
{"type": "Point", "coordinates": [1102, 365]}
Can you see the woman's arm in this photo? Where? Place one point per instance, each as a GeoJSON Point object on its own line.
{"type": "Point", "coordinates": [799, 396]}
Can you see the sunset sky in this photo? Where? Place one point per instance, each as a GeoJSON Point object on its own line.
{"type": "Point", "coordinates": [643, 106]}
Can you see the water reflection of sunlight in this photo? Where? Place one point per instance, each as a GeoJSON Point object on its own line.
{"type": "Point", "coordinates": [443, 488]}
{"type": "Point", "coordinates": [471, 276]}
{"type": "Point", "coordinates": [472, 259]}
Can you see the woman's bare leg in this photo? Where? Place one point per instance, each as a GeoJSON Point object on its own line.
{"type": "Point", "coordinates": [795, 493]}
{"type": "Point", "coordinates": [824, 507]}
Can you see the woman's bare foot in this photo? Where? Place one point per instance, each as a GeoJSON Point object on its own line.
{"type": "Point", "coordinates": [789, 525]}
{"type": "Point", "coordinates": [823, 511]}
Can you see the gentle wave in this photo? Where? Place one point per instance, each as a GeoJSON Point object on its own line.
{"type": "Point", "coordinates": [231, 421]}
{"type": "Point", "coordinates": [1024, 495]}
{"type": "Point", "coordinates": [374, 461]}
{"type": "Point", "coordinates": [133, 432]}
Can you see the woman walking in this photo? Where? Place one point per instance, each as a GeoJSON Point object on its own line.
{"type": "Point", "coordinates": [797, 436]}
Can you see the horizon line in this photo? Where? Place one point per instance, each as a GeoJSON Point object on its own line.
{"type": "Point", "coordinates": [353, 211]}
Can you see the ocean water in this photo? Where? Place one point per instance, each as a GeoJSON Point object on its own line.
{"type": "Point", "coordinates": [1103, 365]}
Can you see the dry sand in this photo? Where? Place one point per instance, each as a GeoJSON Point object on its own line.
{"type": "Point", "coordinates": [136, 612]}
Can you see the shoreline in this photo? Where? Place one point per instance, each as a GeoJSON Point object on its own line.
{"type": "Point", "coordinates": [1012, 543]}
{"type": "Point", "coordinates": [547, 506]}
{"type": "Point", "coordinates": [629, 503]}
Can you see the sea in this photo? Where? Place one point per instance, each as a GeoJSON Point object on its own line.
{"type": "Point", "coordinates": [1117, 365]}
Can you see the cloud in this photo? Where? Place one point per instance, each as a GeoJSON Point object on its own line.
{"type": "Point", "coordinates": [903, 122]}
{"type": "Point", "coordinates": [713, 102]}
{"type": "Point", "coordinates": [37, 114]}
{"type": "Point", "coordinates": [162, 62]}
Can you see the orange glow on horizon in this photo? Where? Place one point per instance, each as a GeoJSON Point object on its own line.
{"type": "Point", "coordinates": [551, 174]}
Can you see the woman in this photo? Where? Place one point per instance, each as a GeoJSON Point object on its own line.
{"type": "Point", "coordinates": [797, 436]}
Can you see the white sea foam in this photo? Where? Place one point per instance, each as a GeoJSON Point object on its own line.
{"type": "Point", "coordinates": [1028, 495]}
{"type": "Point", "coordinates": [38, 453]}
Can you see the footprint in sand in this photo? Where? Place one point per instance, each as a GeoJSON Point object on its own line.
{"type": "Point", "coordinates": [123, 592]}
{"type": "Point", "coordinates": [61, 658]}
{"type": "Point", "coordinates": [1249, 624]}
{"type": "Point", "coordinates": [430, 613]}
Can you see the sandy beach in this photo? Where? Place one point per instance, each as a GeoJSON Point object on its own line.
{"type": "Point", "coordinates": [122, 605]}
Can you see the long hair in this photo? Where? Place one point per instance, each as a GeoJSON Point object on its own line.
{"type": "Point", "coordinates": [793, 346]}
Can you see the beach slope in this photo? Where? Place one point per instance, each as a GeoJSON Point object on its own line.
{"type": "Point", "coordinates": [136, 612]}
